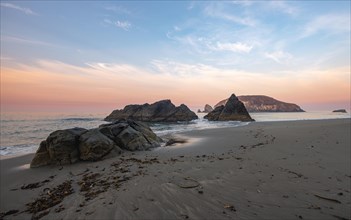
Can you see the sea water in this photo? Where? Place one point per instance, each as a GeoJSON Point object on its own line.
{"type": "Point", "coordinates": [21, 133]}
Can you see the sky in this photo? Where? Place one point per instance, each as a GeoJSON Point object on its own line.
{"type": "Point", "coordinates": [99, 55]}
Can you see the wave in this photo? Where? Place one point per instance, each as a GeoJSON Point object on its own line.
{"type": "Point", "coordinates": [81, 119]}
{"type": "Point", "coordinates": [18, 149]}
{"type": "Point", "coordinates": [198, 124]}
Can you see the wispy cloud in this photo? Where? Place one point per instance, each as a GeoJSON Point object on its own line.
{"type": "Point", "coordinates": [176, 28]}
{"type": "Point", "coordinates": [217, 10]}
{"type": "Point", "coordinates": [26, 41]}
{"type": "Point", "coordinates": [5, 58]}
{"type": "Point", "coordinates": [284, 7]}
{"type": "Point", "coordinates": [215, 40]}
{"type": "Point", "coordinates": [191, 5]}
{"type": "Point", "coordinates": [332, 23]}
{"type": "Point", "coordinates": [174, 68]}
{"type": "Point", "coordinates": [244, 3]}
{"type": "Point", "coordinates": [194, 70]}
{"type": "Point", "coordinates": [27, 11]}
{"type": "Point", "coordinates": [118, 9]}
{"type": "Point", "coordinates": [116, 68]}
{"type": "Point", "coordinates": [108, 21]}
{"type": "Point", "coordinates": [279, 56]}
{"type": "Point", "coordinates": [125, 25]}
{"type": "Point", "coordinates": [234, 47]}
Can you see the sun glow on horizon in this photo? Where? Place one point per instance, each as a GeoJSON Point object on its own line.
{"type": "Point", "coordinates": [106, 86]}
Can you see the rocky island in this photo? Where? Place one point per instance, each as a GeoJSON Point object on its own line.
{"type": "Point", "coordinates": [261, 103]}
{"type": "Point", "coordinates": [340, 110]}
{"type": "Point", "coordinates": [161, 111]}
{"type": "Point", "coordinates": [233, 110]}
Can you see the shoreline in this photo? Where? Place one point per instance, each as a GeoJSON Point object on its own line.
{"type": "Point", "coordinates": [265, 170]}
{"type": "Point", "coordinates": [182, 133]}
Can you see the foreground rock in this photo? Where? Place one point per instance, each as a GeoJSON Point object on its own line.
{"type": "Point", "coordinates": [340, 110]}
{"type": "Point", "coordinates": [62, 145]}
{"type": "Point", "coordinates": [261, 103]}
{"type": "Point", "coordinates": [71, 145]}
{"type": "Point", "coordinates": [131, 135]}
{"type": "Point", "coordinates": [93, 145]}
{"type": "Point", "coordinates": [161, 111]}
{"type": "Point", "coordinates": [233, 110]}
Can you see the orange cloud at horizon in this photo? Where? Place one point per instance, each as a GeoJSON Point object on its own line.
{"type": "Point", "coordinates": [57, 85]}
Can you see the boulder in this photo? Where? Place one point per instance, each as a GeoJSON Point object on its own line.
{"type": "Point", "coordinates": [233, 110]}
{"type": "Point", "coordinates": [62, 145]}
{"type": "Point", "coordinates": [131, 135]}
{"type": "Point", "coordinates": [93, 145]}
{"type": "Point", "coordinates": [41, 157]}
{"type": "Point", "coordinates": [340, 110]}
{"type": "Point", "coordinates": [161, 111]}
{"type": "Point", "coordinates": [70, 145]}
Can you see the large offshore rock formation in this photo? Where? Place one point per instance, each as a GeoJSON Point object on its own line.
{"type": "Point", "coordinates": [161, 111]}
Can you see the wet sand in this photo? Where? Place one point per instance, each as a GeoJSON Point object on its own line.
{"type": "Point", "coordinates": [266, 170]}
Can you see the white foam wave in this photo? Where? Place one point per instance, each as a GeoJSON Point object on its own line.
{"type": "Point", "coordinates": [199, 124]}
{"type": "Point", "coordinates": [18, 149]}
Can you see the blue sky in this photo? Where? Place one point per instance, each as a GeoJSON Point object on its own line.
{"type": "Point", "coordinates": [192, 39]}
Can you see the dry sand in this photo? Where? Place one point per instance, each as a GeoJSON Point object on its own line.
{"type": "Point", "coordinates": [266, 170]}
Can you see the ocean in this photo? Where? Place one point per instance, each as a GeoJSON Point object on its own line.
{"type": "Point", "coordinates": [21, 133]}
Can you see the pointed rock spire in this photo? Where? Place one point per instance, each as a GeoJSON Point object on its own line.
{"type": "Point", "coordinates": [233, 110]}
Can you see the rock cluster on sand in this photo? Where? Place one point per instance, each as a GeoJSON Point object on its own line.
{"type": "Point", "coordinates": [161, 111]}
{"type": "Point", "coordinates": [261, 103]}
{"type": "Point", "coordinates": [340, 110]}
{"type": "Point", "coordinates": [233, 110]}
{"type": "Point", "coordinates": [70, 145]}
{"type": "Point", "coordinates": [207, 109]}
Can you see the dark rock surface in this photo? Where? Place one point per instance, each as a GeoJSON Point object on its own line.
{"type": "Point", "coordinates": [131, 135]}
{"type": "Point", "coordinates": [233, 110]}
{"type": "Point", "coordinates": [261, 103]}
{"type": "Point", "coordinates": [62, 145]}
{"type": "Point", "coordinates": [161, 111]}
{"type": "Point", "coordinates": [93, 145]}
{"type": "Point", "coordinates": [340, 110]}
{"type": "Point", "coordinates": [59, 148]}
{"type": "Point", "coordinates": [70, 145]}
{"type": "Point", "coordinates": [208, 108]}
{"type": "Point", "coordinates": [214, 115]}
{"type": "Point", "coordinates": [41, 157]}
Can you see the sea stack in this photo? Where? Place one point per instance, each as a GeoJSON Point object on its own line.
{"type": "Point", "coordinates": [233, 110]}
{"type": "Point", "coordinates": [161, 111]}
{"type": "Point", "coordinates": [208, 108]}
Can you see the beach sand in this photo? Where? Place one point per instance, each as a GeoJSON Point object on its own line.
{"type": "Point", "coordinates": [265, 170]}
